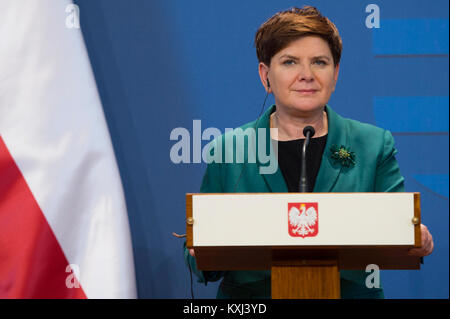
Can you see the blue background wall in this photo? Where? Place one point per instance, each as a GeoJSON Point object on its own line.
{"type": "Point", "coordinates": [161, 64]}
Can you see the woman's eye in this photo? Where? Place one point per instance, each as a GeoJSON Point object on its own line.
{"type": "Point", "coordinates": [288, 62]}
{"type": "Point", "coordinates": [320, 62]}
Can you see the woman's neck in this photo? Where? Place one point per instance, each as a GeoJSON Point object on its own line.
{"type": "Point", "coordinates": [291, 128]}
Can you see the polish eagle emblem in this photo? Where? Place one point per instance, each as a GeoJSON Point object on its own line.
{"type": "Point", "coordinates": [303, 219]}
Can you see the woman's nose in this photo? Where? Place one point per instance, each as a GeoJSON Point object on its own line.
{"type": "Point", "coordinates": [305, 73]}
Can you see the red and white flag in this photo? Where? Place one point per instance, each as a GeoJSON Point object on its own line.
{"type": "Point", "coordinates": [64, 230]}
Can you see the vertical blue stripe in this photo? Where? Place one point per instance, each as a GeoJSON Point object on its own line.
{"type": "Point", "coordinates": [412, 114]}
{"type": "Point", "coordinates": [411, 36]}
{"type": "Point", "coordinates": [438, 183]}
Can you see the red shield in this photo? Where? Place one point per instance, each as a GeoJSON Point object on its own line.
{"type": "Point", "coordinates": [303, 219]}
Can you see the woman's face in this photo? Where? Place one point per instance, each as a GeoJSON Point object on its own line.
{"type": "Point", "coordinates": [302, 76]}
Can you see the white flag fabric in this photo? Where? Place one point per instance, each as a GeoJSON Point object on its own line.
{"type": "Point", "coordinates": [64, 230]}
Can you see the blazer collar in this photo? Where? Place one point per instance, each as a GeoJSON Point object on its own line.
{"type": "Point", "coordinates": [328, 172]}
{"type": "Point", "coordinates": [275, 182]}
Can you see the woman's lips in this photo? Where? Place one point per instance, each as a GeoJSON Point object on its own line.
{"type": "Point", "coordinates": [306, 91]}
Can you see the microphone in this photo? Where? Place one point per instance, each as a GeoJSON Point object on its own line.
{"type": "Point", "coordinates": [309, 132]}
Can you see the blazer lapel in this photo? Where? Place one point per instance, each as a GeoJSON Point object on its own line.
{"type": "Point", "coordinates": [275, 182]}
{"type": "Point", "coordinates": [330, 171]}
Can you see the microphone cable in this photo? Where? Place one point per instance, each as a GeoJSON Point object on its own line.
{"type": "Point", "coordinates": [255, 126]}
{"type": "Point", "coordinates": [190, 273]}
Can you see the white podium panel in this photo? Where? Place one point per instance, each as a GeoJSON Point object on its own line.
{"type": "Point", "coordinates": [297, 219]}
{"type": "Point", "coordinates": [259, 230]}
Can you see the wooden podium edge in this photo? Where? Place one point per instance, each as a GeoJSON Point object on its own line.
{"type": "Point", "coordinates": [264, 257]}
{"type": "Point", "coordinates": [417, 232]}
{"type": "Point", "coordinates": [189, 222]}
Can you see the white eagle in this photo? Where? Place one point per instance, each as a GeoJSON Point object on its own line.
{"type": "Point", "coordinates": [302, 219]}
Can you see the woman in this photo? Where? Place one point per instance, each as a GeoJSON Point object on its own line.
{"type": "Point", "coordinates": [299, 52]}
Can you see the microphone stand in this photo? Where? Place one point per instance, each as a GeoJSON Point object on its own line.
{"type": "Point", "coordinates": [308, 132]}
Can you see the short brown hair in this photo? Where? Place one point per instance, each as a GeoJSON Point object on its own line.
{"type": "Point", "coordinates": [284, 27]}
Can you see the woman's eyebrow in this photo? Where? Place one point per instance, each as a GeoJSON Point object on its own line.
{"type": "Point", "coordinates": [292, 57]}
{"type": "Point", "coordinates": [288, 56]}
{"type": "Point", "coordinates": [322, 57]}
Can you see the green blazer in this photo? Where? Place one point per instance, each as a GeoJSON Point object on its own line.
{"type": "Point", "coordinates": [375, 170]}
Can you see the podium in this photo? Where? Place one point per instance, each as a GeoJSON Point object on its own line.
{"type": "Point", "coordinates": [303, 238]}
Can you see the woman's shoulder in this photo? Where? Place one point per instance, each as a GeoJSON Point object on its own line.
{"type": "Point", "coordinates": [365, 129]}
{"type": "Point", "coordinates": [369, 140]}
{"type": "Point", "coordinates": [238, 135]}
{"type": "Point", "coordinates": [358, 130]}
{"type": "Point", "coordinates": [232, 140]}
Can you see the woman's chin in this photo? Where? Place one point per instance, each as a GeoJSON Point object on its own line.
{"type": "Point", "coordinates": [304, 108]}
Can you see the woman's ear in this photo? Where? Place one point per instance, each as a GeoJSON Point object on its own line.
{"type": "Point", "coordinates": [264, 76]}
{"type": "Point", "coordinates": [336, 75]}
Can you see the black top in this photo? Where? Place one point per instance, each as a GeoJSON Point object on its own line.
{"type": "Point", "coordinates": [289, 159]}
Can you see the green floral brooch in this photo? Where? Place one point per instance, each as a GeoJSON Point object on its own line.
{"type": "Point", "coordinates": [343, 155]}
